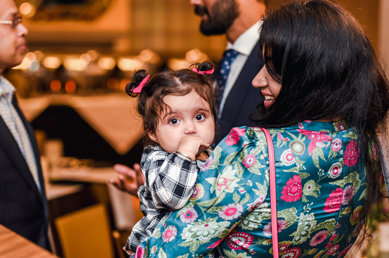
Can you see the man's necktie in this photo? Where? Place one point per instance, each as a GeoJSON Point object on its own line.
{"type": "Point", "coordinates": [228, 57]}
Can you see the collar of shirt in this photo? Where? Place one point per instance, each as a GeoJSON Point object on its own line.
{"type": "Point", "coordinates": [6, 88]}
{"type": "Point", "coordinates": [246, 42]}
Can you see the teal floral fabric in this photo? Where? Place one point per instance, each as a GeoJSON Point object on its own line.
{"type": "Point", "coordinates": [321, 190]}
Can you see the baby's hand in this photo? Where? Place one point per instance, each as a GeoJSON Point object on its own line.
{"type": "Point", "coordinates": [192, 146]}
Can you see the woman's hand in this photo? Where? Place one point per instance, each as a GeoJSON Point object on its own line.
{"type": "Point", "coordinates": [192, 146]}
{"type": "Point", "coordinates": [128, 180]}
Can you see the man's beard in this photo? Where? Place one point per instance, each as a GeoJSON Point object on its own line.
{"type": "Point", "coordinates": [224, 13]}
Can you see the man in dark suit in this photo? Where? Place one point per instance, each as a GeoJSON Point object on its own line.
{"type": "Point", "coordinates": [242, 60]}
{"type": "Point", "coordinates": [23, 205]}
{"type": "Point", "coordinates": [239, 20]}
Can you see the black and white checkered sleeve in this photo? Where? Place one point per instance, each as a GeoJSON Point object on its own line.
{"type": "Point", "coordinates": [171, 179]}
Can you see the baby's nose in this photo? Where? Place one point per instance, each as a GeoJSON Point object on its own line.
{"type": "Point", "coordinates": [190, 128]}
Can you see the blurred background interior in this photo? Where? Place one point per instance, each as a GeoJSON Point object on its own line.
{"type": "Point", "coordinates": [71, 83]}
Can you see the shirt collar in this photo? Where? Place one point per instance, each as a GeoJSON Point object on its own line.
{"type": "Point", "coordinates": [246, 42]}
{"type": "Point", "coordinates": [6, 88]}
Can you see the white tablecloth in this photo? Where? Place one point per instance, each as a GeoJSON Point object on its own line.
{"type": "Point", "coordinates": [114, 117]}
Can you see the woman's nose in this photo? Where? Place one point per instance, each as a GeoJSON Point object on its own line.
{"type": "Point", "coordinates": [260, 80]}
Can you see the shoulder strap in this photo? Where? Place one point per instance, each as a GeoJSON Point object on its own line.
{"type": "Point", "coordinates": [273, 193]}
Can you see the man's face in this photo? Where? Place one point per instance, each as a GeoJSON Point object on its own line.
{"type": "Point", "coordinates": [216, 15]}
{"type": "Point", "coordinates": [12, 39]}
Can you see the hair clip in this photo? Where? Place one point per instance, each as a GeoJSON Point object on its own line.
{"type": "Point", "coordinates": [141, 85]}
{"type": "Point", "coordinates": [194, 69]}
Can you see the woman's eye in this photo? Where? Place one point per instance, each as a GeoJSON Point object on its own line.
{"type": "Point", "coordinates": [173, 121]}
{"type": "Point", "coordinates": [200, 117]}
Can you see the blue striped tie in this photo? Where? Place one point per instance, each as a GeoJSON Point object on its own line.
{"type": "Point", "coordinates": [228, 57]}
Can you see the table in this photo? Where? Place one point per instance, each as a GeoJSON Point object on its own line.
{"type": "Point", "coordinates": [16, 246]}
{"type": "Point", "coordinates": [113, 116]}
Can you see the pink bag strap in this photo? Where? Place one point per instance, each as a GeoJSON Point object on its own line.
{"type": "Point", "coordinates": [273, 193]}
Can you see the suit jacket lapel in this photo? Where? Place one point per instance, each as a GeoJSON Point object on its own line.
{"type": "Point", "coordinates": [241, 87]}
{"type": "Point", "coordinates": [9, 144]}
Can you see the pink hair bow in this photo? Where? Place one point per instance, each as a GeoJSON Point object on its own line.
{"type": "Point", "coordinates": [141, 85]}
{"type": "Point", "coordinates": [194, 69]}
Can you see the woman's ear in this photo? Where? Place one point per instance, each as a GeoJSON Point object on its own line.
{"type": "Point", "coordinates": [153, 137]}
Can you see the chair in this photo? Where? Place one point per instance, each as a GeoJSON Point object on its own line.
{"type": "Point", "coordinates": [85, 233]}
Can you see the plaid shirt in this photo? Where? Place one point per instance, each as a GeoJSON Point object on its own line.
{"type": "Point", "coordinates": [170, 181]}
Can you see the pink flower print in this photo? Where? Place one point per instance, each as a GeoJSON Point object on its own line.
{"type": "Point", "coordinates": [374, 152]}
{"type": "Point", "coordinates": [340, 126]}
{"type": "Point", "coordinates": [223, 182]}
{"type": "Point", "coordinates": [345, 251]}
{"type": "Point", "coordinates": [249, 161]}
{"type": "Point", "coordinates": [169, 234]}
{"type": "Point", "coordinates": [356, 216]}
{"type": "Point", "coordinates": [301, 125]}
{"type": "Point", "coordinates": [256, 203]}
{"type": "Point", "coordinates": [214, 245]}
{"type": "Point", "coordinates": [317, 139]}
{"type": "Point", "coordinates": [239, 240]}
{"type": "Point", "coordinates": [328, 245]}
{"type": "Point", "coordinates": [242, 190]}
{"type": "Point", "coordinates": [334, 202]}
{"type": "Point", "coordinates": [351, 154]}
{"type": "Point", "coordinates": [207, 164]}
{"type": "Point", "coordinates": [283, 246]}
{"type": "Point", "coordinates": [333, 237]}
{"type": "Point", "coordinates": [358, 229]}
{"type": "Point", "coordinates": [335, 170]}
{"type": "Point", "coordinates": [307, 121]}
{"type": "Point", "coordinates": [188, 215]}
{"type": "Point", "coordinates": [198, 192]}
{"type": "Point", "coordinates": [140, 252]}
{"type": "Point", "coordinates": [292, 253]}
{"type": "Point", "coordinates": [333, 250]}
{"type": "Point", "coordinates": [233, 138]}
{"type": "Point", "coordinates": [292, 191]}
{"type": "Point", "coordinates": [287, 158]}
{"type": "Point", "coordinates": [336, 145]}
{"type": "Point", "coordinates": [230, 212]}
{"type": "Point", "coordinates": [281, 225]}
{"type": "Point", "coordinates": [279, 136]}
{"type": "Point", "coordinates": [348, 194]}
{"type": "Point", "coordinates": [319, 238]}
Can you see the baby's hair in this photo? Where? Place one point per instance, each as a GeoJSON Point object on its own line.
{"type": "Point", "coordinates": [179, 83]}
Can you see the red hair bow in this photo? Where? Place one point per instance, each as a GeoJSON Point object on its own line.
{"type": "Point", "coordinates": [141, 85]}
{"type": "Point", "coordinates": [194, 69]}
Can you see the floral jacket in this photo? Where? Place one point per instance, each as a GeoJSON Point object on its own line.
{"type": "Point", "coordinates": [321, 190]}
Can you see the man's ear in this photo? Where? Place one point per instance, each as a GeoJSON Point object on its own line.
{"type": "Point", "coordinates": [153, 137]}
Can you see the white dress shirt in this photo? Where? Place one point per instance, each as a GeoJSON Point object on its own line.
{"type": "Point", "coordinates": [243, 45]}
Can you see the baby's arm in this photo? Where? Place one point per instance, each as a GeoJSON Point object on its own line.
{"type": "Point", "coordinates": [171, 179]}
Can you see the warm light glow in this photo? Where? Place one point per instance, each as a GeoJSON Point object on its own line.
{"type": "Point", "coordinates": [55, 85]}
{"type": "Point", "coordinates": [123, 84]}
{"type": "Point", "coordinates": [176, 64]}
{"type": "Point", "coordinates": [129, 64]}
{"type": "Point", "coordinates": [70, 86]}
{"type": "Point", "coordinates": [113, 83]}
{"type": "Point", "coordinates": [149, 56]}
{"type": "Point", "coordinates": [86, 57]}
{"type": "Point", "coordinates": [27, 9]}
{"type": "Point", "coordinates": [30, 56]}
{"type": "Point", "coordinates": [39, 55]}
{"type": "Point", "coordinates": [193, 55]}
{"type": "Point", "coordinates": [106, 63]}
{"type": "Point", "coordinates": [75, 64]}
{"type": "Point", "coordinates": [93, 54]}
{"type": "Point", "coordinates": [24, 65]}
{"type": "Point", "coordinates": [52, 62]}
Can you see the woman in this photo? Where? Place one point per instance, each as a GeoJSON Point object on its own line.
{"type": "Point", "coordinates": [326, 98]}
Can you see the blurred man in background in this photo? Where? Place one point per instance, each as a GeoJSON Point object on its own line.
{"type": "Point", "coordinates": [23, 204]}
{"type": "Point", "coordinates": [239, 20]}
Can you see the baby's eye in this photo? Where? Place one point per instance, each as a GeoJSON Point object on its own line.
{"type": "Point", "coordinates": [200, 117]}
{"type": "Point", "coordinates": [173, 121]}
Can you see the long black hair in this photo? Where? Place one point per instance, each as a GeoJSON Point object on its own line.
{"type": "Point", "coordinates": [328, 71]}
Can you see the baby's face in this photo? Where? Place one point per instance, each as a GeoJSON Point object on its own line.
{"type": "Point", "coordinates": [188, 115]}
